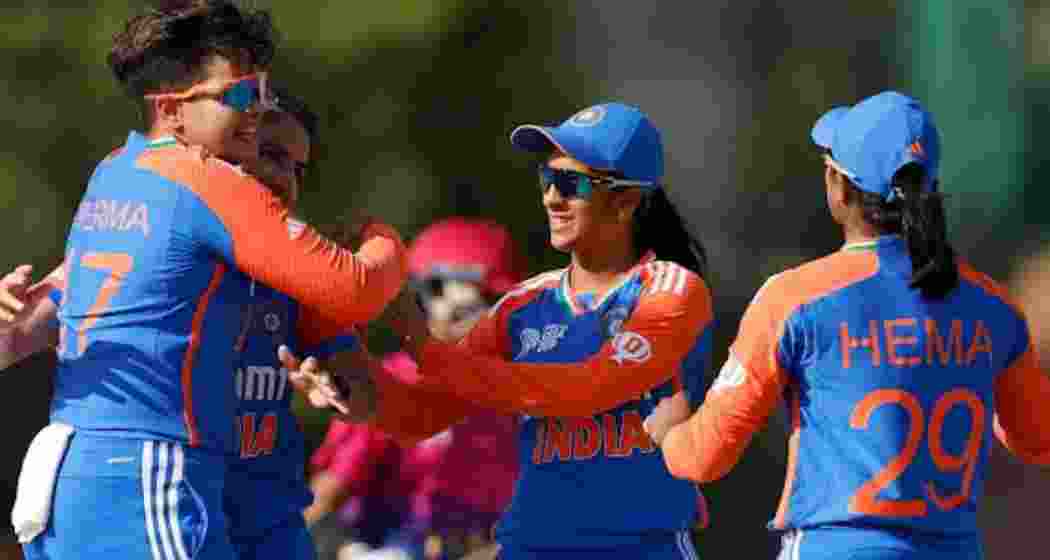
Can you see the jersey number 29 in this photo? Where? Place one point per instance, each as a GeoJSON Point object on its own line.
{"type": "Point", "coordinates": [864, 501]}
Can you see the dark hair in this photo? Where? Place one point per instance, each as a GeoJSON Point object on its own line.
{"type": "Point", "coordinates": [167, 47]}
{"type": "Point", "coordinates": [918, 216]}
{"type": "Point", "coordinates": [298, 109]}
{"type": "Point", "coordinates": [658, 227]}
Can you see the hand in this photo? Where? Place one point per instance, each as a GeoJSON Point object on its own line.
{"type": "Point", "coordinates": [669, 412]}
{"type": "Point", "coordinates": [17, 296]}
{"type": "Point", "coordinates": [353, 397]}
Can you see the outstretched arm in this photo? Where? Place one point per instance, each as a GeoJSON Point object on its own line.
{"type": "Point", "coordinates": [27, 314]}
{"type": "Point", "coordinates": [646, 352]}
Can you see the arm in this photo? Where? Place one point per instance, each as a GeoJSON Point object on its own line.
{"type": "Point", "coordinates": [648, 351]}
{"type": "Point", "coordinates": [747, 390]}
{"type": "Point", "coordinates": [347, 463]}
{"type": "Point", "coordinates": [240, 220]}
{"type": "Point", "coordinates": [1022, 419]}
{"type": "Point", "coordinates": [37, 330]}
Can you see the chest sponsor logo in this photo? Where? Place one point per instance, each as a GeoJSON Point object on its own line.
{"type": "Point", "coordinates": [535, 340]}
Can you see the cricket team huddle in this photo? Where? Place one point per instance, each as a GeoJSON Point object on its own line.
{"type": "Point", "coordinates": [564, 415]}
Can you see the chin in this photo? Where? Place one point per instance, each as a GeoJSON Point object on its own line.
{"type": "Point", "coordinates": [562, 243]}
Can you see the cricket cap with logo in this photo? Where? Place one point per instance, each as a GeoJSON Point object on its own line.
{"type": "Point", "coordinates": [611, 137]}
{"type": "Point", "coordinates": [872, 140]}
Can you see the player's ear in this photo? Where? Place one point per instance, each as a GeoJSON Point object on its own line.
{"type": "Point", "coordinates": [167, 113]}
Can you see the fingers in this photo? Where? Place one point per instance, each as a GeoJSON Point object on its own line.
{"type": "Point", "coordinates": [12, 290]}
{"type": "Point", "coordinates": [288, 360]}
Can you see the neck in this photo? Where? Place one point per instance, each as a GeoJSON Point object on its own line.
{"type": "Point", "coordinates": [601, 269]}
{"type": "Point", "coordinates": [158, 131]}
{"type": "Point", "coordinates": [859, 231]}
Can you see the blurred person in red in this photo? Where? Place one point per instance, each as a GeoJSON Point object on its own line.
{"type": "Point", "coordinates": [1015, 492]}
{"type": "Point", "coordinates": [441, 497]}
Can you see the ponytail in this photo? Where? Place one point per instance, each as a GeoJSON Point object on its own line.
{"type": "Point", "coordinates": [918, 216]}
{"type": "Point", "coordinates": [658, 227]}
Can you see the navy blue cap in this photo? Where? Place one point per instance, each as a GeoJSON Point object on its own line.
{"type": "Point", "coordinates": [609, 137]}
{"type": "Point", "coordinates": [873, 139]}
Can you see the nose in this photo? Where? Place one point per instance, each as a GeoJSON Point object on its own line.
{"type": "Point", "coordinates": [552, 196]}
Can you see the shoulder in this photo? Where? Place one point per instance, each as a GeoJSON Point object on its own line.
{"type": "Point", "coordinates": [526, 291]}
{"type": "Point", "coordinates": [192, 167]}
{"type": "Point", "coordinates": [669, 277]}
{"type": "Point", "coordinates": [991, 287]}
{"type": "Point", "coordinates": [822, 277]}
{"type": "Point", "coordinates": [674, 286]}
{"type": "Point", "coordinates": [785, 292]}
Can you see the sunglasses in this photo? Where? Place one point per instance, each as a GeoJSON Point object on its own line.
{"type": "Point", "coordinates": [573, 184]}
{"type": "Point", "coordinates": [240, 94]}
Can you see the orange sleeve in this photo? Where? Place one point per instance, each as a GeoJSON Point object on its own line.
{"type": "Point", "coordinates": [746, 392]}
{"type": "Point", "coordinates": [1022, 409]}
{"type": "Point", "coordinates": [414, 412]}
{"type": "Point", "coordinates": [644, 354]}
{"type": "Point", "coordinates": [291, 257]}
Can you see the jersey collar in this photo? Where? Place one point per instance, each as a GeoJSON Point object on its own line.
{"type": "Point", "coordinates": [581, 303]}
{"type": "Point", "coordinates": [871, 244]}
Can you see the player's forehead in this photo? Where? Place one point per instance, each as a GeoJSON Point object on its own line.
{"type": "Point", "coordinates": [561, 160]}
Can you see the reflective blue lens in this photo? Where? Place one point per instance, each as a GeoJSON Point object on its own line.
{"type": "Point", "coordinates": [570, 184]}
{"type": "Point", "coordinates": [242, 95]}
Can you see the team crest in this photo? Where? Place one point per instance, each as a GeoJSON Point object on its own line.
{"type": "Point", "coordinates": [271, 318]}
{"type": "Point", "coordinates": [614, 320]}
{"type": "Point", "coordinates": [272, 322]}
{"type": "Point", "coordinates": [588, 117]}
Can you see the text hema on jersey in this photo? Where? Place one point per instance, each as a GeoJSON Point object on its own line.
{"type": "Point", "coordinates": [113, 215]}
{"type": "Point", "coordinates": [909, 342]}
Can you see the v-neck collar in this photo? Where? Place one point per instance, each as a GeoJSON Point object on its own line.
{"type": "Point", "coordinates": [571, 298]}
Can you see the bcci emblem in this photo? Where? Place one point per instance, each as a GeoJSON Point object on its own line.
{"type": "Point", "coordinates": [614, 320]}
{"type": "Point", "coordinates": [588, 117]}
{"type": "Point", "coordinates": [272, 322]}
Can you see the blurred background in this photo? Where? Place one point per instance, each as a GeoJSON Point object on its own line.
{"type": "Point", "coordinates": [417, 98]}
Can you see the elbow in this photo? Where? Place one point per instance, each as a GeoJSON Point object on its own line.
{"type": "Point", "coordinates": [700, 470]}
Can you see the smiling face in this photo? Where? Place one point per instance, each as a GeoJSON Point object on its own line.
{"type": "Point", "coordinates": [204, 120]}
{"type": "Point", "coordinates": [588, 221]}
{"type": "Point", "coordinates": [284, 153]}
